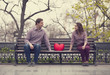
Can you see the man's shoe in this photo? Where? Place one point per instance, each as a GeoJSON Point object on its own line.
{"type": "Point", "coordinates": [33, 64]}
{"type": "Point", "coordinates": [29, 64]}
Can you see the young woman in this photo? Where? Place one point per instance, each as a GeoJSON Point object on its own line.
{"type": "Point", "coordinates": [80, 37]}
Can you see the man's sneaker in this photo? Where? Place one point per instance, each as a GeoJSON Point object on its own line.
{"type": "Point", "coordinates": [29, 64]}
{"type": "Point", "coordinates": [33, 64]}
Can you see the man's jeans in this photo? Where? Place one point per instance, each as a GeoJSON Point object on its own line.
{"type": "Point", "coordinates": [36, 49]}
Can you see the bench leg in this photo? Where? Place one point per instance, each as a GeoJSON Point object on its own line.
{"type": "Point", "coordinates": [16, 59]}
{"type": "Point", "coordinates": [94, 61]}
{"type": "Point", "coordinates": [60, 58]}
{"type": "Point", "coordinates": [105, 57]}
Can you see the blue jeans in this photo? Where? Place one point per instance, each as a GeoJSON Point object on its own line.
{"type": "Point", "coordinates": [36, 49]}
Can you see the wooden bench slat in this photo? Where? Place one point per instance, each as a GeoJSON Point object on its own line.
{"type": "Point", "coordinates": [57, 39]}
{"type": "Point", "coordinates": [54, 51]}
{"type": "Point", "coordinates": [52, 45]}
{"type": "Point", "coordinates": [45, 48]}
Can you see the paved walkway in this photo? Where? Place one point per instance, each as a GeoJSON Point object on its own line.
{"type": "Point", "coordinates": [54, 70]}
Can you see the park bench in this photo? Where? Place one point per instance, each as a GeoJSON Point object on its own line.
{"type": "Point", "coordinates": [63, 57]}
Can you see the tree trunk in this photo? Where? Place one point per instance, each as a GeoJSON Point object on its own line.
{"type": "Point", "coordinates": [22, 18]}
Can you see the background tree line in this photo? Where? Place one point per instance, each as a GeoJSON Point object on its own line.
{"type": "Point", "coordinates": [93, 14]}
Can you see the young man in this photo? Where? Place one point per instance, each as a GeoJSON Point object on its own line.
{"type": "Point", "coordinates": [33, 41]}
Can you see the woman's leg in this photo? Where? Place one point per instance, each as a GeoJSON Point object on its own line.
{"type": "Point", "coordinates": [82, 53]}
{"type": "Point", "coordinates": [87, 49]}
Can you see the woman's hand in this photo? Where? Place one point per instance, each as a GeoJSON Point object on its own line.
{"type": "Point", "coordinates": [70, 50]}
{"type": "Point", "coordinates": [83, 47]}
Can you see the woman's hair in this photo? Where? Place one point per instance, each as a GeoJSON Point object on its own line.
{"type": "Point", "coordinates": [38, 20]}
{"type": "Point", "coordinates": [80, 29]}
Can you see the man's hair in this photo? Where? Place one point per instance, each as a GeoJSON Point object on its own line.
{"type": "Point", "coordinates": [38, 20]}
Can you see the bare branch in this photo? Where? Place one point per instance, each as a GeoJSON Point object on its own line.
{"type": "Point", "coordinates": [5, 31]}
{"type": "Point", "coordinates": [14, 12]}
{"type": "Point", "coordinates": [34, 2]}
{"type": "Point", "coordinates": [103, 12]}
{"type": "Point", "coordinates": [101, 25]}
{"type": "Point", "coordinates": [13, 7]}
{"type": "Point", "coordinates": [45, 26]}
{"type": "Point", "coordinates": [6, 4]}
{"type": "Point", "coordinates": [44, 3]}
{"type": "Point", "coordinates": [20, 3]}
{"type": "Point", "coordinates": [32, 19]}
{"type": "Point", "coordinates": [54, 6]}
{"type": "Point", "coordinates": [61, 26]}
{"type": "Point", "coordinates": [48, 8]}
{"type": "Point", "coordinates": [12, 17]}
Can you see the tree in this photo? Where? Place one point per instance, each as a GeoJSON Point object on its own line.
{"type": "Point", "coordinates": [7, 31]}
{"type": "Point", "coordinates": [104, 9]}
{"type": "Point", "coordinates": [63, 27]}
{"type": "Point", "coordinates": [11, 12]}
{"type": "Point", "coordinates": [95, 21]}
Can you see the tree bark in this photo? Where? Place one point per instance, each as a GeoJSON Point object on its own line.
{"type": "Point", "coordinates": [22, 18]}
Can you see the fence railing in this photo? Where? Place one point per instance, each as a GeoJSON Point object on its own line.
{"type": "Point", "coordinates": [103, 55]}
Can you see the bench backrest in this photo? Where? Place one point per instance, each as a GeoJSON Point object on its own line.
{"type": "Point", "coordinates": [65, 41]}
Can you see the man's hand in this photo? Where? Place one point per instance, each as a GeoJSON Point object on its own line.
{"type": "Point", "coordinates": [83, 47]}
{"type": "Point", "coordinates": [50, 50]}
{"type": "Point", "coordinates": [31, 46]}
{"type": "Point", "coordinates": [70, 50]}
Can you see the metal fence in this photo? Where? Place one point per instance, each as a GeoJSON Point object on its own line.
{"type": "Point", "coordinates": [7, 55]}
{"type": "Point", "coordinates": [103, 52]}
